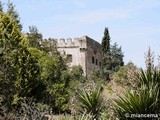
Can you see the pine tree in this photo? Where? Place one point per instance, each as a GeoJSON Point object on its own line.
{"type": "Point", "coordinates": [34, 37]}
{"type": "Point", "coordinates": [1, 6]}
{"type": "Point", "coordinates": [18, 69]}
{"type": "Point", "coordinates": [10, 40]}
{"type": "Point", "coordinates": [116, 57]}
{"type": "Point", "coordinates": [106, 58]}
{"type": "Point", "coordinates": [13, 13]}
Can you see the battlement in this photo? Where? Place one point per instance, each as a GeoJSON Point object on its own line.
{"type": "Point", "coordinates": [82, 51]}
{"type": "Point", "coordinates": [69, 42]}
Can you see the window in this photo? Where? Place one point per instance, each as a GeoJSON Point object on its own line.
{"type": "Point", "coordinates": [93, 60]}
{"type": "Point", "coordinates": [96, 62]}
{"type": "Point", "coordinates": [69, 58]}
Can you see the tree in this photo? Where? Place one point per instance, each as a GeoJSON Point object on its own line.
{"type": "Point", "coordinates": [116, 57]}
{"type": "Point", "coordinates": [26, 73]}
{"type": "Point", "coordinates": [13, 13]}
{"type": "Point", "coordinates": [112, 56]}
{"type": "Point", "coordinates": [49, 46]}
{"type": "Point", "coordinates": [1, 6]}
{"type": "Point", "coordinates": [55, 79]}
{"type": "Point", "coordinates": [10, 42]}
{"type": "Point", "coordinates": [106, 41]}
{"type": "Point", "coordinates": [34, 37]}
{"type": "Point", "coordinates": [106, 58]}
{"type": "Point", "coordinates": [18, 69]}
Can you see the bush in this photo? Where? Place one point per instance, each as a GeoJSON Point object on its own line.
{"type": "Point", "coordinates": [127, 76]}
{"type": "Point", "coordinates": [91, 102]}
{"type": "Point", "coordinates": [142, 101]}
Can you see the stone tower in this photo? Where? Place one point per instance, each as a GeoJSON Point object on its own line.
{"type": "Point", "coordinates": [82, 51]}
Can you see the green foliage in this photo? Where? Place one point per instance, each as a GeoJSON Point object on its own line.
{"type": "Point", "coordinates": [1, 6]}
{"type": "Point", "coordinates": [17, 65]}
{"type": "Point", "coordinates": [91, 102]}
{"type": "Point", "coordinates": [97, 77]}
{"type": "Point", "coordinates": [127, 76]}
{"type": "Point", "coordinates": [106, 58]}
{"type": "Point", "coordinates": [13, 13]}
{"type": "Point", "coordinates": [10, 36]}
{"type": "Point", "coordinates": [116, 57]}
{"type": "Point", "coordinates": [59, 82]}
{"type": "Point", "coordinates": [149, 77]}
{"type": "Point", "coordinates": [31, 110]}
{"type": "Point", "coordinates": [49, 46]}
{"type": "Point", "coordinates": [54, 79]}
{"type": "Point", "coordinates": [112, 56]}
{"type": "Point", "coordinates": [106, 41]}
{"type": "Point", "coordinates": [27, 72]}
{"type": "Point", "coordinates": [34, 37]}
{"type": "Point", "coordinates": [36, 40]}
{"type": "Point", "coordinates": [143, 102]}
{"type": "Point", "coordinates": [10, 43]}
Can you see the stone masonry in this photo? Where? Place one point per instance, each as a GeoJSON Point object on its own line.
{"type": "Point", "coordinates": [82, 51]}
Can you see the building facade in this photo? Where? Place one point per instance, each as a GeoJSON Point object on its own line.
{"type": "Point", "coordinates": [82, 51]}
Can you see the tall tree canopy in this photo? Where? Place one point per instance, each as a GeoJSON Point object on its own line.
{"type": "Point", "coordinates": [106, 59]}
{"type": "Point", "coordinates": [116, 57]}
{"type": "Point", "coordinates": [13, 13]}
{"type": "Point", "coordinates": [112, 58]}
{"type": "Point", "coordinates": [106, 41]}
{"type": "Point", "coordinates": [19, 70]}
{"type": "Point", "coordinates": [34, 37]}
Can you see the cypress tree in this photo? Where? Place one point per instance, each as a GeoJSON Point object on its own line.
{"type": "Point", "coordinates": [106, 54]}
{"type": "Point", "coordinates": [112, 55]}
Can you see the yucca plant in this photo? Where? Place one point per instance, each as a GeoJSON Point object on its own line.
{"type": "Point", "coordinates": [143, 102]}
{"type": "Point", "coordinates": [91, 102]}
{"type": "Point", "coordinates": [149, 77]}
{"type": "Point", "coordinates": [84, 116]}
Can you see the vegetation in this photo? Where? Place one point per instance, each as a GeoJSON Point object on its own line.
{"type": "Point", "coordinates": [28, 71]}
{"type": "Point", "coordinates": [91, 103]}
{"type": "Point", "coordinates": [145, 100]}
{"type": "Point", "coordinates": [106, 60]}
{"type": "Point", "coordinates": [112, 58]}
{"type": "Point", "coordinates": [35, 81]}
{"type": "Point", "coordinates": [127, 76]}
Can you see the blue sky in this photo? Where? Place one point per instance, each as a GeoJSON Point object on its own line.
{"type": "Point", "coordinates": [133, 24]}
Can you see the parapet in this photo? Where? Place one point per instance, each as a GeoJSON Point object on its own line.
{"type": "Point", "coordinates": [82, 42]}
{"type": "Point", "coordinates": [69, 42]}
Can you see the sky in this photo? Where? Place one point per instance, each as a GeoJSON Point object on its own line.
{"type": "Point", "coordinates": [133, 24]}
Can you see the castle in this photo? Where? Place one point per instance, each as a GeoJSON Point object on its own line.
{"type": "Point", "coordinates": [82, 51]}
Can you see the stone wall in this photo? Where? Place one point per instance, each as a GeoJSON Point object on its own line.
{"type": "Point", "coordinates": [83, 50]}
{"type": "Point", "coordinates": [94, 56]}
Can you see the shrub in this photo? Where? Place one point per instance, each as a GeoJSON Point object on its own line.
{"type": "Point", "coordinates": [91, 102]}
